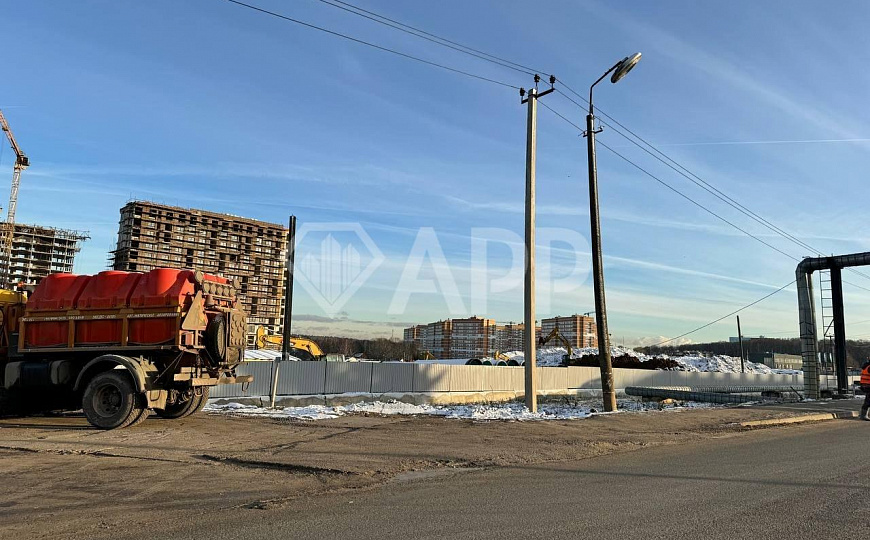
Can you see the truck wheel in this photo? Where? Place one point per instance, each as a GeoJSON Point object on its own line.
{"type": "Point", "coordinates": [203, 400]}
{"type": "Point", "coordinates": [185, 408]}
{"type": "Point", "coordinates": [215, 338]}
{"type": "Point", "coordinates": [111, 402]}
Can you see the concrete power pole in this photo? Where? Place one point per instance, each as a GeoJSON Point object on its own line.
{"type": "Point", "coordinates": [740, 339]}
{"type": "Point", "coordinates": [529, 344]}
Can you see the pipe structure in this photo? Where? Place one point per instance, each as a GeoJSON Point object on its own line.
{"type": "Point", "coordinates": [683, 395]}
{"type": "Point", "coordinates": [807, 315]}
{"type": "Point", "coordinates": [727, 389]}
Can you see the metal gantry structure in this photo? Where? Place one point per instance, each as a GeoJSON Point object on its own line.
{"type": "Point", "coordinates": [8, 229]}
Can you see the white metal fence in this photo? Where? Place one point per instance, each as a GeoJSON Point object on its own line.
{"type": "Point", "coordinates": [316, 378]}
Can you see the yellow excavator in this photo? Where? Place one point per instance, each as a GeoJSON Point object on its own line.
{"type": "Point", "coordinates": [300, 347]}
{"type": "Point", "coordinates": [555, 334]}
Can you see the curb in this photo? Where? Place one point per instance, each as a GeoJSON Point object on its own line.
{"type": "Point", "coordinates": [800, 419]}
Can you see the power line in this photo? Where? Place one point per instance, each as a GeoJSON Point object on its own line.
{"type": "Point", "coordinates": [370, 44]}
{"type": "Point", "coordinates": [422, 34]}
{"type": "Point", "coordinates": [525, 69]}
{"type": "Point", "coordinates": [650, 149]}
{"type": "Point", "coordinates": [747, 306]}
{"type": "Point", "coordinates": [675, 190]}
{"type": "Point", "coordinates": [647, 147]}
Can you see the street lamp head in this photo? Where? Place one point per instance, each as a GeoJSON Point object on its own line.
{"type": "Point", "coordinates": [624, 67]}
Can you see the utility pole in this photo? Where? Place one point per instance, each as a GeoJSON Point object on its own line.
{"type": "Point", "coordinates": [608, 393]}
{"type": "Point", "coordinates": [740, 338]}
{"type": "Point", "coordinates": [288, 306]}
{"type": "Point", "coordinates": [529, 344]}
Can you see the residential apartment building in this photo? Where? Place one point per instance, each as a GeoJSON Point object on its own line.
{"type": "Point", "coordinates": [39, 251]}
{"type": "Point", "coordinates": [152, 235]}
{"type": "Point", "coordinates": [509, 337]}
{"type": "Point", "coordinates": [436, 338]}
{"type": "Point", "coordinates": [580, 330]}
{"type": "Point", "coordinates": [473, 337]}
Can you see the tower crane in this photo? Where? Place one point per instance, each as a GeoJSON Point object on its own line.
{"type": "Point", "coordinates": [8, 229]}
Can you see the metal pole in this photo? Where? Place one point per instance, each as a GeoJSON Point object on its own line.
{"type": "Point", "coordinates": [740, 338]}
{"type": "Point", "coordinates": [529, 345]}
{"type": "Point", "coordinates": [839, 331]}
{"type": "Point", "coordinates": [608, 394]}
{"type": "Point", "coordinates": [288, 306]}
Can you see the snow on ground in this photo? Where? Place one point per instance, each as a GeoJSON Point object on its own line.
{"type": "Point", "coordinates": [552, 356]}
{"type": "Point", "coordinates": [501, 411]}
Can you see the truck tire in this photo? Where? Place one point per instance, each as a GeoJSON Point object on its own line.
{"type": "Point", "coordinates": [110, 401]}
{"type": "Point", "coordinates": [185, 408]}
{"type": "Point", "coordinates": [216, 339]}
{"type": "Point", "coordinates": [203, 400]}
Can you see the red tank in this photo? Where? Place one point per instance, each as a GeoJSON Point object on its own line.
{"type": "Point", "coordinates": [163, 287]}
{"type": "Point", "coordinates": [55, 295]}
{"type": "Point", "coordinates": [116, 308]}
{"type": "Point", "coordinates": [104, 293]}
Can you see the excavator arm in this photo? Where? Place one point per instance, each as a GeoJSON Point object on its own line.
{"type": "Point", "coordinates": [555, 334]}
{"type": "Point", "coordinates": [305, 345]}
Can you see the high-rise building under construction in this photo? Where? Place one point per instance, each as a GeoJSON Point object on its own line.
{"type": "Point", "coordinates": [38, 251]}
{"type": "Point", "coordinates": [152, 235]}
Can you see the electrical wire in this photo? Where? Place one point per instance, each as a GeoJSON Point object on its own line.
{"type": "Point", "coordinates": [735, 312]}
{"type": "Point", "coordinates": [646, 146]}
{"type": "Point", "coordinates": [700, 206]}
{"type": "Point", "coordinates": [675, 190]}
{"type": "Point", "coordinates": [657, 154]}
{"type": "Point", "coordinates": [373, 45]}
{"type": "Point", "coordinates": [422, 34]}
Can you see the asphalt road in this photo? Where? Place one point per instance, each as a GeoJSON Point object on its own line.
{"type": "Point", "coordinates": [807, 481]}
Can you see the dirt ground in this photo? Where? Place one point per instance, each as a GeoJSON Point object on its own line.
{"type": "Point", "coordinates": [63, 479]}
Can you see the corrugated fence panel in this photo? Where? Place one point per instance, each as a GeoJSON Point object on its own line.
{"type": "Point", "coordinates": [343, 377]}
{"type": "Point", "coordinates": [584, 377]}
{"type": "Point", "coordinates": [262, 372]}
{"type": "Point", "coordinates": [432, 378]}
{"type": "Point", "coordinates": [552, 378]}
{"type": "Point", "coordinates": [471, 378]}
{"type": "Point", "coordinates": [301, 378]}
{"type": "Point", "coordinates": [392, 377]}
{"type": "Point", "coordinates": [499, 379]}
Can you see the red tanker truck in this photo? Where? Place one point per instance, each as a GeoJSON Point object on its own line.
{"type": "Point", "coordinates": [120, 344]}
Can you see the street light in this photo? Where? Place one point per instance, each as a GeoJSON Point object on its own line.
{"type": "Point", "coordinates": [619, 70]}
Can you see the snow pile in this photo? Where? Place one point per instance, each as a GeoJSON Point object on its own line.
{"type": "Point", "coordinates": [552, 356]}
{"type": "Point", "coordinates": [728, 364]}
{"type": "Point", "coordinates": [502, 411]}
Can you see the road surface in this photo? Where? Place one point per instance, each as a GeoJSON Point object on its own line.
{"type": "Point", "coordinates": [808, 481]}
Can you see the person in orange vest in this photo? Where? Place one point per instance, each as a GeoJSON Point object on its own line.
{"type": "Point", "coordinates": [865, 386]}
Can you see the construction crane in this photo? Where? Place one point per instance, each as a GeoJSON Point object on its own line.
{"type": "Point", "coordinates": [8, 228]}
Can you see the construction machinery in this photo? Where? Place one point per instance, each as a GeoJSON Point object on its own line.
{"type": "Point", "coordinates": [300, 347]}
{"type": "Point", "coordinates": [555, 334]}
{"type": "Point", "coordinates": [7, 231]}
{"type": "Point", "coordinates": [120, 344]}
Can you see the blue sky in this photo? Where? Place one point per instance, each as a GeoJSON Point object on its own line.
{"type": "Point", "coordinates": [206, 104]}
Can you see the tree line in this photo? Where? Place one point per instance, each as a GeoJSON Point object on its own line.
{"type": "Point", "coordinates": [857, 352]}
{"type": "Point", "coordinates": [374, 349]}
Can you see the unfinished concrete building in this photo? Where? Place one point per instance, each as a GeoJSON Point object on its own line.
{"type": "Point", "coordinates": [579, 330]}
{"type": "Point", "coordinates": [39, 251]}
{"type": "Point", "coordinates": [152, 235]}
